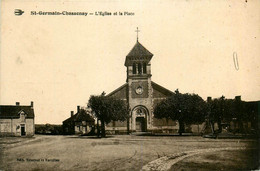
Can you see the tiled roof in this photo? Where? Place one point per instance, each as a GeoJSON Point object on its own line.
{"type": "Point", "coordinates": [162, 89]}
{"type": "Point", "coordinates": [117, 90]}
{"type": "Point", "coordinates": [8, 111]}
{"type": "Point", "coordinates": [82, 115]}
{"type": "Point", "coordinates": [139, 50]}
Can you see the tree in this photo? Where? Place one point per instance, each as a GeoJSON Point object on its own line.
{"type": "Point", "coordinates": [216, 112]}
{"type": "Point", "coordinates": [186, 108]}
{"type": "Point", "coordinates": [107, 109]}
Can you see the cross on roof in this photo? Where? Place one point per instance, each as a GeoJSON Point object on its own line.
{"type": "Point", "coordinates": [137, 32]}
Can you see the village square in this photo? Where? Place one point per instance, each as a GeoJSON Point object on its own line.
{"type": "Point", "coordinates": [127, 152]}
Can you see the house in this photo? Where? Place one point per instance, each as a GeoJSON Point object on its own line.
{"type": "Point", "coordinates": [17, 120]}
{"type": "Point", "coordinates": [79, 123]}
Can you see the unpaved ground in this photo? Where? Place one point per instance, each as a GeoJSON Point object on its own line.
{"type": "Point", "coordinates": [227, 160]}
{"type": "Point", "coordinates": [122, 152]}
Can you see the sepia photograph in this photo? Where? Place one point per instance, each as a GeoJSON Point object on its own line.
{"type": "Point", "coordinates": [100, 85]}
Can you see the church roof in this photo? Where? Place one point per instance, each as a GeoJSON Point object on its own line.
{"type": "Point", "coordinates": [139, 50]}
{"type": "Point", "coordinates": [9, 111]}
{"type": "Point", "coordinates": [161, 89]}
{"type": "Point", "coordinates": [120, 92]}
{"type": "Point", "coordinates": [158, 91]}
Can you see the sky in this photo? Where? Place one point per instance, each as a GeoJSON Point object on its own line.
{"type": "Point", "coordinates": [58, 61]}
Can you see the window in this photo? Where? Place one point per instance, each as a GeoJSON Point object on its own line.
{"type": "Point", "coordinates": [134, 68]}
{"type": "Point", "coordinates": [139, 68]}
{"type": "Point", "coordinates": [22, 116]}
{"type": "Point", "coordinates": [144, 68]}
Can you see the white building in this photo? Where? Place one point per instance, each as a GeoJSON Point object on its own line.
{"type": "Point", "coordinates": [16, 120]}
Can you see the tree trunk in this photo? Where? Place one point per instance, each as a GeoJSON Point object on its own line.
{"type": "Point", "coordinates": [98, 129]}
{"type": "Point", "coordinates": [181, 127]}
{"type": "Point", "coordinates": [128, 126]}
{"type": "Point", "coordinates": [212, 127]}
{"type": "Point", "coordinates": [103, 130]}
{"type": "Point", "coordinates": [219, 126]}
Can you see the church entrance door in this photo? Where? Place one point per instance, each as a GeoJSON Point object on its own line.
{"type": "Point", "coordinates": [140, 124]}
{"type": "Point", "coordinates": [140, 118]}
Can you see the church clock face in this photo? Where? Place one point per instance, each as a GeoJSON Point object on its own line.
{"type": "Point", "coordinates": [139, 90]}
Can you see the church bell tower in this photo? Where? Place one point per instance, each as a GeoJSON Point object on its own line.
{"type": "Point", "coordinates": [139, 88]}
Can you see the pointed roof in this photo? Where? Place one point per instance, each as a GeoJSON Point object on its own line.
{"type": "Point", "coordinates": [10, 111]}
{"type": "Point", "coordinates": [139, 50]}
{"type": "Point", "coordinates": [82, 115]}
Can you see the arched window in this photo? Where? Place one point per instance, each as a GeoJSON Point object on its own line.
{"type": "Point", "coordinates": [139, 68]}
{"type": "Point", "coordinates": [134, 68]}
{"type": "Point", "coordinates": [144, 68]}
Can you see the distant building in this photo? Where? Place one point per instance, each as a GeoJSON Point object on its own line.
{"type": "Point", "coordinates": [250, 113]}
{"type": "Point", "coordinates": [80, 123]}
{"type": "Point", "coordinates": [16, 120]}
{"type": "Point", "coordinates": [244, 118]}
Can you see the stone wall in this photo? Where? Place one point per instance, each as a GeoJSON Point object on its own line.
{"type": "Point", "coordinates": [116, 127]}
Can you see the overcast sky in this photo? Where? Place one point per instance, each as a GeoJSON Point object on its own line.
{"type": "Point", "coordinates": [59, 61]}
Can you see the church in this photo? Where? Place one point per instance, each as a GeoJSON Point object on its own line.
{"type": "Point", "coordinates": [141, 95]}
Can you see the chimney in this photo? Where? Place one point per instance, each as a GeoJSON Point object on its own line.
{"type": "Point", "coordinates": [78, 108]}
{"type": "Point", "coordinates": [32, 104]}
{"type": "Point", "coordinates": [238, 98]}
{"type": "Point", "coordinates": [17, 103]}
{"type": "Point", "coordinates": [71, 113]}
{"type": "Point", "coordinates": [209, 99]}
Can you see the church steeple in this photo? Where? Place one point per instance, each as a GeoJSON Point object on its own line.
{"type": "Point", "coordinates": [138, 54]}
{"type": "Point", "coordinates": [138, 62]}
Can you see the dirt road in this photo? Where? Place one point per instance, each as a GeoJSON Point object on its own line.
{"type": "Point", "coordinates": [121, 152]}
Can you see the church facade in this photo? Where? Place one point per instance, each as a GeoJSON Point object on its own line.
{"type": "Point", "coordinates": [141, 95]}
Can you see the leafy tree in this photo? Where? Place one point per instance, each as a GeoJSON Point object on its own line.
{"type": "Point", "coordinates": [186, 108]}
{"type": "Point", "coordinates": [107, 109]}
{"type": "Point", "coordinates": [216, 112]}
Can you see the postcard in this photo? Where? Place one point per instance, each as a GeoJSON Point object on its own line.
{"type": "Point", "coordinates": [129, 85]}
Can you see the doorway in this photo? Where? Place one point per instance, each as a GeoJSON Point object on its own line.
{"type": "Point", "coordinates": [140, 124]}
{"type": "Point", "coordinates": [23, 133]}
